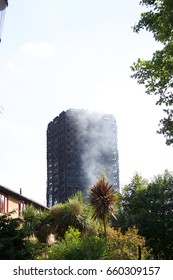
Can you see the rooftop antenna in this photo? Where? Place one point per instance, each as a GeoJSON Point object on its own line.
{"type": "Point", "coordinates": [3, 6]}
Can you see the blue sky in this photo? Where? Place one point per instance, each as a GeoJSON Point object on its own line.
{"type": "Point", "coordinates": [57, 55]}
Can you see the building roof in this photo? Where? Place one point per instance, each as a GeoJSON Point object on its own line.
{"type": "Point", "coordinates": [18, 196]}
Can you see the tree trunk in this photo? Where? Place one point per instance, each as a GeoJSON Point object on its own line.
{"type": "Point", "coordinates": [105, 231]}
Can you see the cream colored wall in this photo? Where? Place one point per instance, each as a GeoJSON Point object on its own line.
{"type": "Point", "coordinates": [13, 205]}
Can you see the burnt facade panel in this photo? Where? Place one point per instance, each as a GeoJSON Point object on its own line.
{"type": "Point", "coordinates": [80, 145]}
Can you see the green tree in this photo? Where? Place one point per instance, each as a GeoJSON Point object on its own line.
{"type": "Point", "coordinates": [132, 198]}
{"type": "Point", "coordinates": [13, 245]}
{"type": "Point", "coordinates": [160, 214]}
{"type": "Point", "coordinates": [102, 198]}
{"type": "Point", "coordinates": [156, 73]}
{"type": "Point", "coordinates": [149, 207]}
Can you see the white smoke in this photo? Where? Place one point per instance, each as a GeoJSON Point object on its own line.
{"type": "Point", "coordinates": [97, 141]}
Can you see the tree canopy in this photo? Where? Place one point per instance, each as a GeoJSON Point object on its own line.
{"type": "Point", "coordinates": [148, 206]}
{"type": "Point", "coordinates": [13, 243]}
{"type": "Point", "coordinates": [156, 73]}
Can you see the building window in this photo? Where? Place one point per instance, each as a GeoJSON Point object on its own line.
{"type": "Point", "coordinates": [21, 208]}
{"type": "Point", "coordinates": [3, 204]}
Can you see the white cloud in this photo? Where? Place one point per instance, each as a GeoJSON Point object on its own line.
{"type": "Point", "coordinates": [39, 49]}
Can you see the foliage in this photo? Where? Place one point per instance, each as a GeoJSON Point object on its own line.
{"type": "Point", "coordinates": [156, 74]}
{"type": "Point", "coordinates": [126, 246]}
{"type": "Point", "coordinates": [13, 245]}
{"type": "Point", "coordinates": [102, 198]}
{"type": "Point", "coordinates": [30, 218]}
{"type": "Point", "coordinates": [131, 200]}
{"type": "Point", "coordinates": [117, 246]}
{"type": "Point", "coordinates": [160, 206]}
{"type": "Point", "coordinates": [35, 248]}
{"type": "Point", "coordinates": [93, 247]}
{"type": "Point", "coordinates": [74, 246]}
{"type": "Point", "coordinates": [66, 248]}
{"type": "Point", "coordinates": [149, 207]}
{"type": "Point", "coordinates": [37, 223]}
{"type": "Point", "coordinates": [71, 213]}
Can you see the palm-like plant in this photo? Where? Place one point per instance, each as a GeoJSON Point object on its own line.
{"type": "Point", "coordinates": [102, 198]}
{"type": "Point", "coordinates": [71, 213]}
{"type": "Point", "coordinates": [36, 223]}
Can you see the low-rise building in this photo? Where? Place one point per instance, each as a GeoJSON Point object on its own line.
{"type": "Point", "coordinates": [13, 202]}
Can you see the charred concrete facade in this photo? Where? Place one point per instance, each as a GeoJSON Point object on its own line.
{"type": "Point", "coordinates": [80, 145]}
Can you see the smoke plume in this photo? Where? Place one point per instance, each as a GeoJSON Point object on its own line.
{"type": "Point", "coordinates": [97, 141]}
